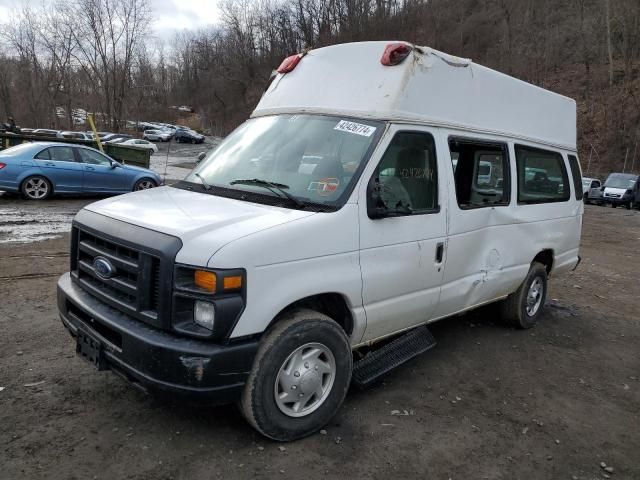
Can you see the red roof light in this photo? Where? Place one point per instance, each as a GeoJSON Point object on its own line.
{"type": "Point", "coordinates": [395, 53]}
{"type": "Point", "coordinates": [289, 63]}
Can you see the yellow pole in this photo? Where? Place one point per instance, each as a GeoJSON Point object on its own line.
{"type": "Point", "coordinates": [95, 132]}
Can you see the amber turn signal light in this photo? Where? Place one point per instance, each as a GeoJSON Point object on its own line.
{"type": "Point", "coordinates": [206, 280]}
{"type": "Point", "coordinates": [232, 283]}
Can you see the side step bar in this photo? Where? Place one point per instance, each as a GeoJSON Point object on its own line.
{"type": "Point", "coordinates": [379, 362]}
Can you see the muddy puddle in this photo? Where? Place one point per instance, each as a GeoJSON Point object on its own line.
{"type": "Point", "coordinates": [27, 222]}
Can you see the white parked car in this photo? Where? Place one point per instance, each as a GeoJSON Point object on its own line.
{"type": "Point", "coordinates": [329, 222]}
{"type": "Point", "coordinates": [75, 135]}
{"type": "Point", "coordinates": [591, 189]}
{"type": "Point", "coordinates": [136, 142]}
{"type": "Point", "coordinates": [157, 135]}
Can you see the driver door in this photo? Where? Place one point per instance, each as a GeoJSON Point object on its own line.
{"type": "Point", "coordinates": [403, 237]}
{"type": "Point", "coordinates": [99, 175]}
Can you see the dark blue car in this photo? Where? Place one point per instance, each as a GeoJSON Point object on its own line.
{"type": "Point", "coordinates": [39, 170]}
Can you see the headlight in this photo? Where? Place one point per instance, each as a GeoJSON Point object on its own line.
{"type": "Point", "coordinates": [207, 302]}
{"type": "Point", "coordinates": [204, 314]}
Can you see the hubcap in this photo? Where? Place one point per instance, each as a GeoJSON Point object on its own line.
{"type": "Point", "coordinates": [534, 297]}
{"type": "Point", "coordinates": [145, 184]}
{"type": "Point", "coordinates": [305, 379]}
{"type": "Point", "coordinates": [36, 188]}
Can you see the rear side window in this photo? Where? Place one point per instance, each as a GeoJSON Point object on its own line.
{"type": "Point", "coordinates": [577, 176]}
{"type": "Point", "coordinates": [62, 154]}
{"type": "Point", "coordinates": [542, 176]}
{"type": "Point", "coordinates": [481, 171]}
{"type": "Point", "coordinates": [43, 155]}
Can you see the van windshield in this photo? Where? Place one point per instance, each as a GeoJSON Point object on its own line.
{"type": "Point", "coordinates": [620, 181]}
{"type": "Point", "coordinates": [299, 159]}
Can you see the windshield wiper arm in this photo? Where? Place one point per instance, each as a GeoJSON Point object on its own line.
{"type": "Point", "coordinates": [271, 186]}
{"type": "Point", "coordinates": [204, 182]}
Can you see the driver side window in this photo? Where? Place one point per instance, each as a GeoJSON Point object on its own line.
{"type": "Point", "coordinates": [93, 158]}
{"type": "Point", "coordinates": [406, 180]}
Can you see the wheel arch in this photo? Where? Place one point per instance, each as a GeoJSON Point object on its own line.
{"type": "Point", "coordinates": [142, 176]}
{"type": "Point", "coordinates": [545, 257]}
{"type": "Point", "coordinates": [332, 304]}
{"type": "Point", "coordinates": [35, 173]}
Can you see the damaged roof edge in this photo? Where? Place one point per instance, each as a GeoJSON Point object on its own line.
{"type": "Point", "coordinates": [435, 88]}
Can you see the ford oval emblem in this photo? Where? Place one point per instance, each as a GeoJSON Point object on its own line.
{"type": "Point", "coordinates": [103, 267]}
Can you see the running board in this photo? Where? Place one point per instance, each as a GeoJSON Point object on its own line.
{"type": "Point", "coordinates": [379, 362]}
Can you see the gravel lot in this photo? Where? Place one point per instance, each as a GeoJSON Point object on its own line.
{"type": "Point", "coordinates": [488, 402]}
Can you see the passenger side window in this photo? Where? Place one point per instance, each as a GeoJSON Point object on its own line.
{"type": "Point", "coordinates": [93, 158]}
{"type": "Point", "coordinates": [481, 172]}
{"type": "Point", "coordinates": [406, 179]}
{"type": "Point", "coordinates": [577, 176]}
{"type": "Point", "coordinates": [542, 176]}
{"type": "Point", "coordinates": [62, 154]}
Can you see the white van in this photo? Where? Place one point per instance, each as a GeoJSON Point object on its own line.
{"type": "Point", "coordinates": [329, 224]}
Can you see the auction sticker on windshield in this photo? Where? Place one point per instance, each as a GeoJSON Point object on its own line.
{"type": "Point", "coordinates": [353, 127]}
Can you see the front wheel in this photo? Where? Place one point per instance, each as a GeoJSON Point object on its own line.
{"type": "Point", "coordinates": [299, 378]}
{"type": "Point", "coordinates": [36, 188]}
{"type": "Point", "coordinates": [523, 307]}
{"type": "Point", "coordinates": [144, 184]}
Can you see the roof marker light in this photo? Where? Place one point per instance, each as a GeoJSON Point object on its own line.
{"type": "Point", "coordinates": [395, 53]}
{"type": "Point", "coordinates": [289, 63]}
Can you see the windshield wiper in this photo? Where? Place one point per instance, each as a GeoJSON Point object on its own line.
{"type": "Point", "coordinates": [204, 182]}
{"type": "Point", "coordinates": [272, 186]}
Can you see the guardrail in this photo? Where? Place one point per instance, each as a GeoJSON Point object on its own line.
{"type": "Point", "coordinates": [127, 154]}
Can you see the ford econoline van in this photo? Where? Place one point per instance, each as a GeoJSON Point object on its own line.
{"type": "Point", "coordinates": [375, 189]}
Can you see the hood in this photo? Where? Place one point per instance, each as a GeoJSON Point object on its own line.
{"type": "Point", "coordinates": [205, 223]}
{"type": "Point", "coordinates": [618, 191]}
{"type": "Point", "coordinates": [138, 169]}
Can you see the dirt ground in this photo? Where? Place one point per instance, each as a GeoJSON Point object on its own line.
{"type": "Point", "coordinates": [488, 402]}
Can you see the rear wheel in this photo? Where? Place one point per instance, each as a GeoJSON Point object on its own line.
{"type": "Point", "coordinates": [36, 188]}
{"type": "Point", "coordinates": [523, 307]}
{"type": "Point", "coordinates": [299, 378]}
{"type": "Point", "coordinates": [144, 184]}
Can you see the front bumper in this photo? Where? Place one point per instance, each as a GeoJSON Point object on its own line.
{"type": "Point", "coordinates": [155, 359]}
{"type": "Point", "coordinates": [617, 200]}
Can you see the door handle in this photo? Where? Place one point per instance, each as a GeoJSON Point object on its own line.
{"type": "Point", "coordinates": [439, 252]}
{"type": "Point", "coordinates": [49, 164]}
{"type": "Point", "coordinates": [89, 168]}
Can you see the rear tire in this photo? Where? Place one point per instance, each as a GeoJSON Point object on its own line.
{"type": "Point", "coordinates": [522, 308]}
{"type": "Point", "coordinates": [36, 187]}
{"type": "Point", "coordinates": [300, 376]}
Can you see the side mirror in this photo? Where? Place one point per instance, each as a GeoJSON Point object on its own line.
{"type": "Point", "coordinates": [114, 164]}
{"type": "Point", "coordinates": [602, 189]}
{"type": "Point", "coordinates": [376, 208]}
{"type": "Point", "coordinates": [201, 156]}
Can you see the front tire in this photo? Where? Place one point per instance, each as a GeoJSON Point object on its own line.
{"type": "Point", "coordinates": [523, 307]}
{"type": "Point", "coordinates": [36, 187]}
{"type": "Point", "coordinates": [144, 184]}
{"type": "Point", "coordinates": [299, 378]}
